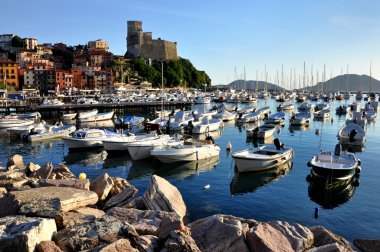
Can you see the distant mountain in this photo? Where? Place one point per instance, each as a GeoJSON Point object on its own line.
{"type": "Point", "coordinates": [260, 85]}
{"type": "Point", "coordinates": [354, 82]}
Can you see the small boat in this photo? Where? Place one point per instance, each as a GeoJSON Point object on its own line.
{"type": "Point", "coordinates": [156, 124]}
{"type": "Point", "coordinates": [298, 119]}
{"type": "Point", "coordinates": [141, 149]}
{"type": "Point", "coordinates": [337, 165]}
{"type": "Point", "coordinates": [53, 102]}
{"type": "Point", "coordinates": [86, 114]}
{"type": "Point", "coordinates": [119, 142]}
{"type": "Point", "coordinates": [68, 117]}
{"type": "Point", "coordinates": [12, 122]}
{"type": "Point", "coordinates": [275, 118]}
{"type": "Point", "coordinates": [321, 106]}
{"type": "Point", "coordinates": [31, 115]}
{"type": "Point", "coordinates": [263, 157]}
{"type": "Point", "coordinates": [322, 114]}
{"type": "Point", "coordinates": [351, 134]}
{"type": "Point", "coordinates": [52, 133]}
{"type": "Point", "coordinates": [264, 111]}
{"type": "Point", "coordinates": [225, 116]}
{"type": "Point", "coordinates": [186, 152]}
{"type": "Point", "coordinates": [180, 120]}
{"type": "Point", "coordinates": [23, 130]}
{"type": "Point", "coordinates": [370, 115]}
{"type": "Point", "coordinates": [246, 110]}
{"type": "Point", "coordinates": [87, 138]}
{"type": "Point", "coordinates": [251, 117]}
{"type": "Point", "coordinates": [98, 117]}
{"type": "Point", "coordinates": [202, 100]}
{"type": "Point", "coordinates": [305, 107]}
{"type": "Point", "coordinates": [285, 107]}
{"type": "Point", "coordinates": [130, 121]}
{"type": "Point", "coordinates": [207, 125]}
{"type": "Point", "coordinates": [261, 132]}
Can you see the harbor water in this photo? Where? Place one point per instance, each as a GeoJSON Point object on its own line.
{"type": "Point", "coordinates": [214, 186]}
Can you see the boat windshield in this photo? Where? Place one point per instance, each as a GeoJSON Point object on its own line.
{"type": "Point", "coordinates": [79, 134]}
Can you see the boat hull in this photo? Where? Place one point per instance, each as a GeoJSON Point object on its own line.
{"type": "Point", "coordinates": [73, 143]}
{"type": "Point", "coordinates": [184, 155]}
{"type": "Point", "coordinates": [252, 165]}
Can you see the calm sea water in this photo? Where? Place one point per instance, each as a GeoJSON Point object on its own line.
{"type": "Point", "coordinates": [352, 212]}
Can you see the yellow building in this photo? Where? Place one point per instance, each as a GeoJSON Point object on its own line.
{"type": "Point", "coordinates": [9, 75]}
{"type": "Point", "coordinates": [98, 45]}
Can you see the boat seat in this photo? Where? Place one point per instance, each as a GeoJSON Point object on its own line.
{"type": "Point", "coordinates": [338, 149]}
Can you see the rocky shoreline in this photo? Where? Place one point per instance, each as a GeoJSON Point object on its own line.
{"type": "Point", "coordinates": [48, 209]}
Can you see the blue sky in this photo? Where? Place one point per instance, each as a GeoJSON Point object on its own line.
{"type": "Point", "coordinates": [219, 36]}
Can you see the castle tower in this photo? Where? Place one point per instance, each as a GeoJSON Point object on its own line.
{"type": "Point", "coordinates": [134, 38]}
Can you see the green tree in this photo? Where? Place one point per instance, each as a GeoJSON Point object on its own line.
{"type": "Point", "coordinates": [17, 42]}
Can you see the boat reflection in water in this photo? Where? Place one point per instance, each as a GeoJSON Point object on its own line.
{"type": "Point", "coordinates": [353, 148]}
{"type": "Point", "coordinates": [331, 193]}
{"type": "Point", "coordinates": [293, 128]}
{"type": "Point", "coordinates": [141, 168]}
{"type": "Point", "coordinates": [115, 161]}
{"type": "Point", "coordinates": [256, 141]}
{"type": "Point", "coordinates": [214, 134]}
{"type": "Point", "coordinates": [185, 169]}
{"type": "Point", "coordinates": [250, 181]}
{"type": "Point", "coordinates": [86, 158]}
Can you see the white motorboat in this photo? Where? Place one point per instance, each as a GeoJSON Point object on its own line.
{"type": "Point", "coordinates": [52, 102]}
{"type": "Point", "coordinates": [70, 116]}
{"type": "Point", "coordinates": [357, 118]}
{"type": "Point", "coordinates": [87, 138]}
{"type": "Point", "coordinates": [225, 116]}
{"type": "Point", "coordinates": [285, 107]}
{"type": "Point", "coordinates": [156, 124]}
{"type": "Point", "coordinates": [251, 117]}
{"type": "Point", "coordinates": [204, 113]}
{"type": "Point", "coordinates": [207, 125]}
{"type": "Point", "coordinates": [338, 165]}
{"type": "Point", "coordinates": [351, 134]}
{"type": "Point", "coordinates": [187, 152]}
{"type": "Point", "coordinates": [119, 142]}
{"type": "Point", "coordinates": [31, 115]}
{"type": "Point", "coordinates": [276, 118]}
{"type": "Point", "coordinates": [263, 157]}
{"type": "Point", "coordinates": [301, 118]}
{"type": "Point", "coordinates": [202, 100]}
{"type": "Point", "coordinates": [86, 114]}
{"type": "Point", "coordinates": [261, 132]}
{"type": "Point", "coordinates": [264, 111]}
{"type": "Point", "coordinates": [98, 117]}
{"type": "Point", "coordinates": [180, 120]}
{"type": "Point", "coordinates": [322, 114]}
{"type": "Point", "coordinates": [141, 149]}
{"type": "Point", "coordinates": [23, 130]}
{"type": "Point", "coordinates": [246, 110]}
{"type": "Point", "coordinates": [370, 115]}
{"type": "Point", "coordinates": [12, 122]}
{"type": "Point", "coordinates": [321, 106]}
{"type": "Point", "coordinates": [52, 133]}
{"type": "Point", "coordinates": [305, 107]}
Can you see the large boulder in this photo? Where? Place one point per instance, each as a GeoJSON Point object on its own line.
{"type": "Point", "coordinates": [61, 171]}
{"type": "Point", "coordinates": [89, 235]}
{"type": "Point", "coordinates": [90, 211]}
{"type": "Point", "coordinates": [122, 245]}
{"type": "Point", "coordinates": [266, 238]}
{"type": "Point", "coordinates": [70, 219]}
{"type": "Point", "coordinates": [148, 222]}
{"type": "Point", "coordinates": [179, 241]}
{"type": "Point", "coordinates": [48, 246]}
{"type": "Point", "coordinates": [16, 161]}
{"type": "Point", "coordinates": [49, 208]}
{"type": "Point", "coordinates": [120, 185]}
{"type": "Point", "coordinates": [8, 205]}
{"type": "Point", "coordinates": [367, 245]}
{"type": "Point", "coordinates": [20, 233]}
{"type": "Point", "coordinates": [13, 174]}
{"type": "Point", "coordinates": [163, 196]}
{"type": "Point", "coordinates": [13, 182]}
{"type": "Point", "coordinates": [215, 233]}
{"type": "Point", "coordinates": [322, 237]}
{"type": "Point", "coordinates": [300, 237]}
{"type": "Point", "coordinates": [102, 185]}
{"type": "Point", "coordinates": [83, 184]}
{"type": "Point", "coordinates": [333, 247]}
{"type": "Point", "coordinates": [44, 172]}
{"type": "Point", "coordinates": [122, 198]}
{"type": "Point", "coordinates": [69, 198]}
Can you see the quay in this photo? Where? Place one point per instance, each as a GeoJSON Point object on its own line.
{"type": "Point", "coordinates": [135, 107]}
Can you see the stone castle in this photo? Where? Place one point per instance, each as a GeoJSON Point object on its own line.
{"type": "Point", "coordinates": [141, 44]}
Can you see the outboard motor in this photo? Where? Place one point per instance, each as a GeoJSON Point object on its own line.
{"type": "Point", "coordinates": [338, 149]}
{"type": "Point", "coordinates": [278, 144]}
{"type": "Point", "coordinates": [351, 136]}
{"type": "Point", "coordinates": [240, 115]}
{"type": "Point", "coordinates": [210, 138]}
{"type": "Point", "coordinates": [266, 116]}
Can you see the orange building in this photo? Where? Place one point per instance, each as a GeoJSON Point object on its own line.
{"type": "Point", "coordinates": [9, 74]}
{"type": "Point", "coordinates": [77, 78]}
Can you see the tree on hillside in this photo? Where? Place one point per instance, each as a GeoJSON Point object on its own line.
{"type": "Point", "coordinates": [17, 42]}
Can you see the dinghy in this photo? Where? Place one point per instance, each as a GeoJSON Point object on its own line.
{"type": "Point", "coordinates": [298, 119]}
{"type": "Point", "coordinates": [207, 125]}
{"type": "Point", "coordinates": [351, 134]}
{"type": "Point", "coordinates": [52, 133]}
{"type": "Point", "coordinates": [263, 157]}
{"type": "Point", "coordinates": [98, 117]}
{"type": "Point", "coordinates": [261, 132]}
{"type": "Point", "coordinates": [276, 118]}
{"type": "Point", "coordinates": [322, 114]}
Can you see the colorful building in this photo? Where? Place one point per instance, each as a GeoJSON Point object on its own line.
{"type": "Point", "coordinates": [9, 74]}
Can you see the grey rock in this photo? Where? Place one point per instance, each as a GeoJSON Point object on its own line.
{"type": "Point", "coordinates": [13, 183]}
{"type": "Point", "coordinates": [44, 172]}
{"type": "Point", "coordinates": [20, 233]}
{"type": "Point", "coordinates": [89, 235]}
{"type": "Point", "coordinates": [70, 198]}
{"type": "Point", "coordinates": [61, 171]}
{"type": "Point", "coordinates": [322, 237]}
{"type": "Point", "coordinates": [121, 198]}
{"type": "Point", "coordinates": [367, 245]}
{"type": "Point", "coordinates": [120, 185]}
{"type": "Point", "coordinates": [333, 247]}
{"type": "Point", "coordinates": [83, 184]}
{"type": "Point", "coordinates": [90, 211]}
{"type": "Point", "coordinates": [147, 243]}
{"type": "Point", "coordinates": [3, 192]}
{"type": "Point", "coordinates": [122, 245]}
{"type": "Point", "coordinates": [102, 185]}
{"type": "Point", "coordinates": [9, 205]}
{"type": "Point", "coordinates": [48, 246]}
{"type": "Point", "coordinates": [32, 167]}
{"type": "Point", "coordinates": [41, 208]}
{"type": "Point", "coordinates": [163, 196]}
{"type": "Point", "coordinates": [179, 241]}
{"type": "Point", "coordinates": [16, 161]}
{"type": "Point", "coordinates": [216, 234]}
